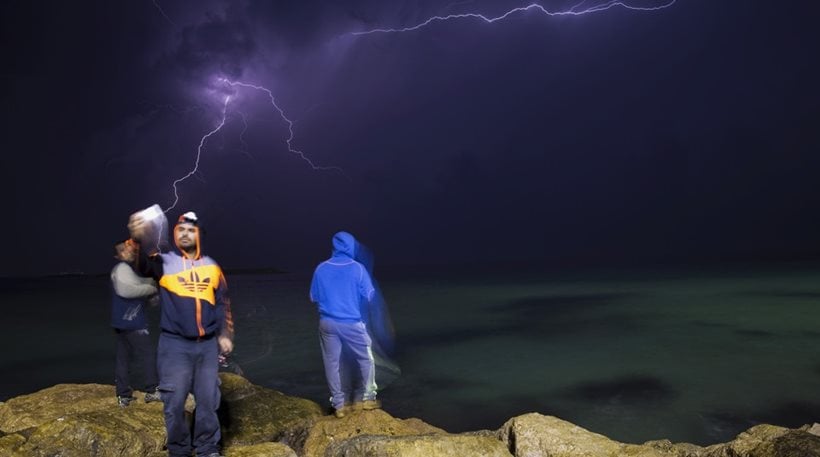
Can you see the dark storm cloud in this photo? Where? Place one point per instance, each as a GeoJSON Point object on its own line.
{"type": "Point", "coordinates": [218, 45]}
{"type": "Point", "coordinates": [222, 37]}
{"type": "Point", "coordinates": [611, 138]}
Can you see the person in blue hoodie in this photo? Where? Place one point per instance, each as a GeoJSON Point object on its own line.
{"type": "Point", "coordinates": [129, 296]}
{"type": "Point", "coordinates": [342, 287]}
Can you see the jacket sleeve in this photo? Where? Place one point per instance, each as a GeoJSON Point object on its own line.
{"type": "Point", "coordinates": [315, 289]}
{"type": "Point", "coordinates": [128, 285]}
{"type": "Point", "coordinates": [149, 266]}
{"type": "Point", "coordinates": [223, 300]}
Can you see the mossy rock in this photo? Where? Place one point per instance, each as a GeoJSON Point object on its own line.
{"type": "Point", "coordinates": [535, 435]}
{"type": "Point", "coordinates": [676, 449]}
{"type": "Point", "coordinates": [260, 450]}
{"type": "Point", "coordinates": [49, 404]}
{"type": "Point", "coordinates": [10, 445]}
{"type": "Point", "coordinates": [117, 432]}
{"type": "Point", "coordinates": [768, 441]}
{"type": "Point", "coordinates": [85, 420]}
{"type": "Point", "coordinates": [251, 414]}
{"type": "Point", "coordinates": [316, 435]}
{"type": "Point", "coordinates": [418, 446]}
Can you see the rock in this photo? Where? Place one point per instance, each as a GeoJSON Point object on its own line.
{"type": "Point", "coordinates": [535, 435]}
{"type": "Point", "coordinates": [84, 420]}
{"type": "Point", "coordinates": [62, 400]}
{"type": "Point", "coordinates": [260, 450]}
{"type": "Point", "coordinates": [418, 446]}
{"type": "Point", "coordinates": [71, 420]}
{"type": "Point", "coordinates": [10, 444]}
{"type": "Point", "coordinates": [251, 414]}
{"type": "Point", "coordinates": [314, 436]}
{"type": "Point", "coordinates": [137, 430]}
{"type": "Point", "coordinates": [768, 441]}
{"type": "Point", "coordinates": [675, 449]}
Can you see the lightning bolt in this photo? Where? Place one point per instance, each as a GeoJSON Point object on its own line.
{"type": "Point", "coordinates": [204, 139]}
{"type": "Point", "coordinates": [161, 11]}
{"type": "Point", "coordinates": [574, 11]}
{"type": "Point", "coordinates": [245, 150]}
{"type": "Point", "coordinates": [577, 10]}
{"type": "Point", "coordinates": [289, 122]}
{"type": "Point", "coordinates": [199, 154]}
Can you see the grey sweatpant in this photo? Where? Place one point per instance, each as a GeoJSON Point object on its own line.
{"type": "Point", "coordinates": [353, 338]}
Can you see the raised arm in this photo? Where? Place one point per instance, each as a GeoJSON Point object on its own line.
{"type": "Point", "coordinates": [149, 263]}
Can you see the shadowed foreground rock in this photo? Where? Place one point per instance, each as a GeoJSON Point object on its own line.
{"type": "Point", "coordinates": [251, 414]}
{"type": "Point", "coordinates": [768, 440]}
{"type": "Point", "coordinates": [72, 420]}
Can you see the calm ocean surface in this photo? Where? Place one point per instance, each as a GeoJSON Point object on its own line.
{"type": "Point", "coordinates": [685, 354]}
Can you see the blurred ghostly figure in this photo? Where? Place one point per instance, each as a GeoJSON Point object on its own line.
{"type": "Point", "coordinates": [376, 317]}
{"type": "Point", "coordinates": [346, 296]}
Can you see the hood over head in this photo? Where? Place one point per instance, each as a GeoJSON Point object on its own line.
{"type": "Point", "coordinates": [344, 245]}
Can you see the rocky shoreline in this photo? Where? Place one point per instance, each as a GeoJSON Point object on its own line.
{"type": "Point", "coordinates": [82, 420]}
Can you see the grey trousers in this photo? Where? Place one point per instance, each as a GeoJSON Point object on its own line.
{"type": "Point", "coordinates": [346, 349]}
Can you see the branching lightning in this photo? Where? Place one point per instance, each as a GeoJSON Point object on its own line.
{"type": "Point", "coordinates": [199, 153]}
{"type": "Point", "coordinates": [161, 11]}
{"type": "Point", "coordinates": [244, 149]}
{"type": "Point", "coordinates": [223, 121]}
{"type": "Point", "coordinates": [576, 10]}
{"type": "Point", "coordinates": [289, 122]}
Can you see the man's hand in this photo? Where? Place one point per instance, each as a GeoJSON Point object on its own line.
{"type": "Point", "coordinates": [137, 226]}
{"type": "Point", "coordinates": [225, 345]}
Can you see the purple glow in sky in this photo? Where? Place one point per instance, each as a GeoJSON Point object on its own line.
{"type": "Point", "coordinates": [244, 150]}
{"type": "Point", "coordinates": [578, 9]}
{"type": "Point", "coordinates": [289, 139]}
{"type": "Point", "coordinates": [574, 132]}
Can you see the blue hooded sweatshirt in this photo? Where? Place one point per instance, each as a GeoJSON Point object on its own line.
{"type": "Point", "coordinates": [340, 284]}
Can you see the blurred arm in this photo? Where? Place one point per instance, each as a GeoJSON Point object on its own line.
{"type": "Point", "coordinates": [128, 285]}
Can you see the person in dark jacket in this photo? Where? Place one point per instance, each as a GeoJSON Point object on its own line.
{"type": "Point", "coordinates": [341, 287]}
{"type": "Point", "coordinates": [129, 296]}
{"type": "Point", "coordinates": [196, 327]}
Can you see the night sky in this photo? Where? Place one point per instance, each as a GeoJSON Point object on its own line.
{"type": "Point", "coordinates": [687, 134]}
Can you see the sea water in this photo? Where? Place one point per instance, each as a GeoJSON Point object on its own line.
{"type": "Point", "coordinates": [686, 354]}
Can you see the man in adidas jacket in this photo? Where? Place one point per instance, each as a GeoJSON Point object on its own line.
{"type": "Point", "coordinates": [196, 326]}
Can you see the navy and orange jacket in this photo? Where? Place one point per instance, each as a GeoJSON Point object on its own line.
{"type": "Point", "coordinates": [193, 295]}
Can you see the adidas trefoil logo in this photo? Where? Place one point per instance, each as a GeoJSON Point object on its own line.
{"type": "Point", "coordinates": [193, 284]}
